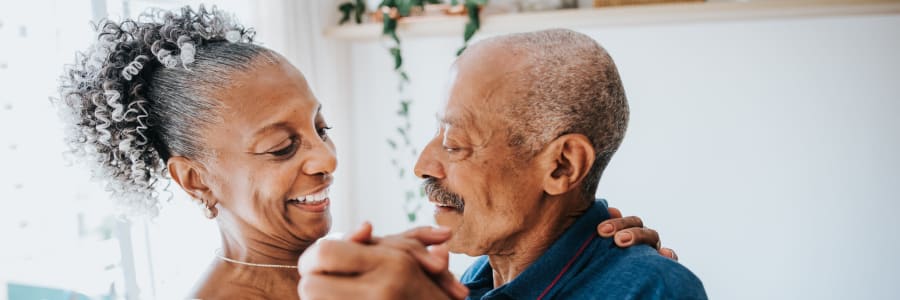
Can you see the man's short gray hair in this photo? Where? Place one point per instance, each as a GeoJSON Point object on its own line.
{"type": "Point", "coordinates": [569, 84]}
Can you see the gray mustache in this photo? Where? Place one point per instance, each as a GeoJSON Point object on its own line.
{"type": "Point", "coordinates": [441, 195]}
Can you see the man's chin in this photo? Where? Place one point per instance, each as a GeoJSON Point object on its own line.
{"type": "Point", "coordinates": [449, 219]}
{"type": "Point", "coordinates": [458, 246]}
{"type": "Point", "coordinates": [455, 245]}
{"type": "Point", "coordinates": [452, 220]}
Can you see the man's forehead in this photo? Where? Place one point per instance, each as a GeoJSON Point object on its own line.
{"type": "Point", "coordinates": [478, 94]}
{"type": "Point", "coordinates": [475, 121]}
{"type": "Point", "coordinates": [459, 106]}
{"type": "Point", "coordinates": [482, 84]}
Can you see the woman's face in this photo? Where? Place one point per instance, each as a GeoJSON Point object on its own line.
{"type": "Point", "coordinates": [271, 160]}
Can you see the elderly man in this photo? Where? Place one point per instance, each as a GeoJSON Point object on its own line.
{"type": "Point", "coordinates": [532, 121]}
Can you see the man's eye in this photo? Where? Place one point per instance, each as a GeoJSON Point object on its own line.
{"type": "Point", "coordinates": [287, 150]}
{"type": "Point", "coordinates": [323, 132]}
{"type": "Point", "coordinates": [451, 150]}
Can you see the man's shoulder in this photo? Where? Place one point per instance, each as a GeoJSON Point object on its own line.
{"type": "Point", "coordinates": [637, 272]}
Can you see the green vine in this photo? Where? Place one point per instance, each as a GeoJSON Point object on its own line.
{"type": "Point", "coordinates": [473, 8]}
{"type": "Point", "coordinates": [401, 143]}
{"type": "Point", "coordinates": [357, 8]}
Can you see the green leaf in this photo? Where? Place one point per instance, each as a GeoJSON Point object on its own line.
{"type": "Point", "coordinates": [411, 216]}
{"type": "Point", "coordinates": [423, 2]}
{"type": "Point", "coordinates": [470, 31]}
{"type": "Point", "coordinates": [360, 10]}
{"type": "Point", "coordinates": [392, 144]}
{"type": "Point", "coordinates": [404, 77]}
{"type": "Point", "coordinates": [398, 58]}
{"type": "Point", "coordinates": [402, 172]}
{"type": "Point", "coordinates": [345, 9]}
{"type": "Point", "coordinates": [404, 108]}
{"type": "Point", "coordinates": [473, 25]}
{"type": "Point", "coordinates": [390, 25]}
{"type": "Point", "coordinates": [394, 36]}
{"type": "Point", "coordinates": [404, 7]}
{"type": "Point", "coordinates": [474, 18]}
{"type": "Point", "coordinates": [410, 196]}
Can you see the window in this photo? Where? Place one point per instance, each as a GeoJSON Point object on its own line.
{"type": "Point", "coordinates": [60, 237]}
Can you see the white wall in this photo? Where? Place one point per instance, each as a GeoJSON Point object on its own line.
{"type": "Point", "coordinates": [765, 152]}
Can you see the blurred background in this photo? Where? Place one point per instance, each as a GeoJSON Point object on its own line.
{"type": "Point", "coordinates": [763, 142]}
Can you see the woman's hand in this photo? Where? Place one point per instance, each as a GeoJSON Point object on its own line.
{"type": "Point", "coordinates": [630, 231]}
{"type": "Point", "coordinates": [378, 268]}
{"type": "Point", "coordinates": [425, 245]}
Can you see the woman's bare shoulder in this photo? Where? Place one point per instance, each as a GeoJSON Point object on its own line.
{"type": "Point", "coordinates": [221, 282]}
{"type": "Point", "coordinates": [228, 291]}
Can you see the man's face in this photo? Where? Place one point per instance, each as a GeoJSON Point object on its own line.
{"type": "Point", "coordinates": [479, 187]}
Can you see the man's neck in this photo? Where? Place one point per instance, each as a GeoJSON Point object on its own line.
{"type": "Point", "coordinates": [526, 247]}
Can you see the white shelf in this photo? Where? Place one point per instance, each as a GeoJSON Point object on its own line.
{"type": "Point", "coordinates": [625, 16]}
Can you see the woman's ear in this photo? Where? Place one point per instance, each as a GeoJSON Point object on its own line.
{"type": "Point", "coordinates": [568, 159]}
{"type": "Point", "coordinates": [189, 175]}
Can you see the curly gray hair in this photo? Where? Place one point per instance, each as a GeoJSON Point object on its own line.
{"type": "Point", "coordinates": [141, 92]}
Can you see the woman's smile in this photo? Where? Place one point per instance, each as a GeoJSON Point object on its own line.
{"type": "Point", "coordinates": [316, 202]}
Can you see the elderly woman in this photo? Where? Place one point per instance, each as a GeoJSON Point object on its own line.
{"type": "Point", "coordinates": [188, 96]}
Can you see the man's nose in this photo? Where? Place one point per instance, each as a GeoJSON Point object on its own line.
{"type": "Point", "coordinates": [429, 163]}
{"type": "Point", "coordinates": [321, 159]}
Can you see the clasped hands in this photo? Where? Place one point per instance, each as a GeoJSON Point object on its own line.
{"type": "Point", "coordinates": [413, 264]}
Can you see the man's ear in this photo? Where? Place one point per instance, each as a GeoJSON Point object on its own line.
{"type": "Point", "coordinates": [568, 159]}
{"type": "Point", "coordinates": [188, 175]}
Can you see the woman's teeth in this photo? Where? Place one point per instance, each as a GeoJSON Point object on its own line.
{"type": "Point", "coordinates": [312, 199]}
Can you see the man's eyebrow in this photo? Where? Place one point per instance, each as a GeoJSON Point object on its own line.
{"type": "Point", "coordinates": [452, 121]}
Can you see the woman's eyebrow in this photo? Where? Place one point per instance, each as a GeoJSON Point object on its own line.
{"type": "Point", "coordinates": [271, 127]}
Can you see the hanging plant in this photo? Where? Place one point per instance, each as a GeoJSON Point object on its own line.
{"type": "Point", "coordinates": [390, 12]}
{"type": "Point", "coordinates": [357, 8]}
{"type": "Point", "coordinates": [473, 9]}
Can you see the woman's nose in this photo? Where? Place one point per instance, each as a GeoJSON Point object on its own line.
{"type": "Point", "coordinates": [321, 159]}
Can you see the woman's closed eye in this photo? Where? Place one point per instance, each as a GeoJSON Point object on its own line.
{"type": "Point", "coordinates": [289, 147]}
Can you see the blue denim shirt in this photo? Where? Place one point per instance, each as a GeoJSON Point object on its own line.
{"type": "Point", "coordinates": [582, 265]}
